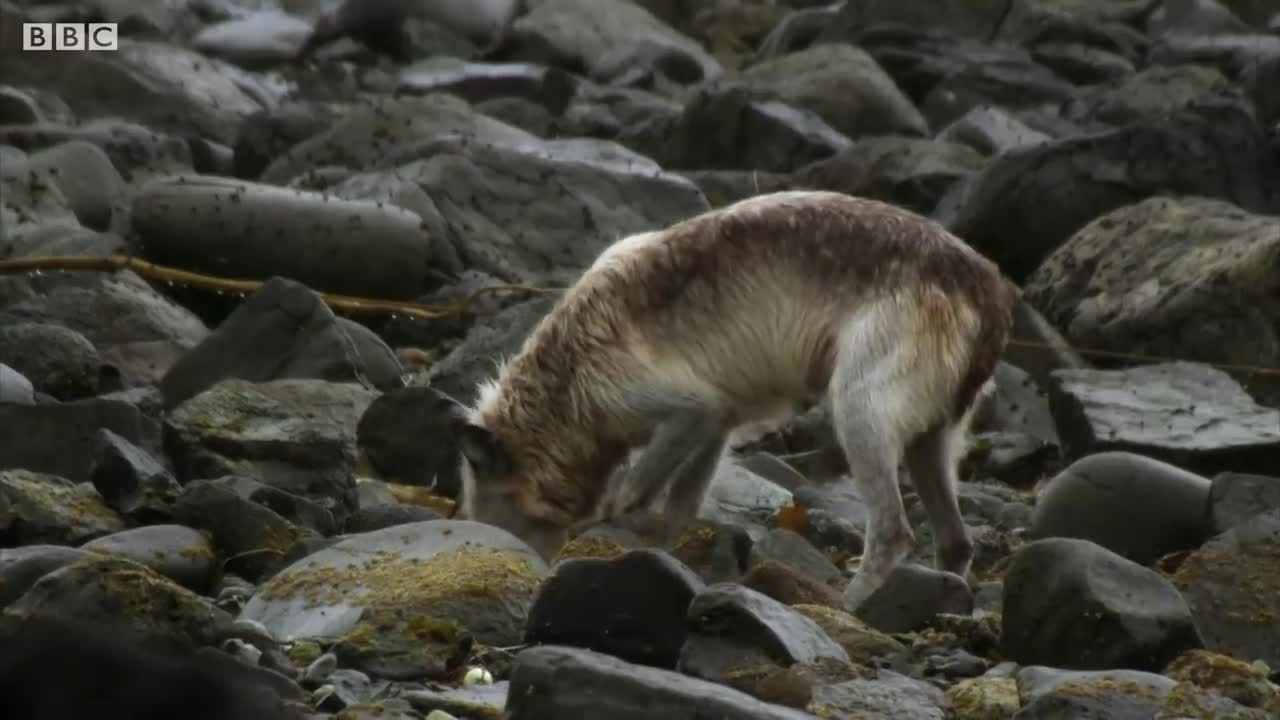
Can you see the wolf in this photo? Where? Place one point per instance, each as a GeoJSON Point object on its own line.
{"type": "Point", "coordinates": [673, 340]}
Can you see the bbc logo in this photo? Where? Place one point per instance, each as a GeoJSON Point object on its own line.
{"type": "Point", "coordinates": [69, 36]}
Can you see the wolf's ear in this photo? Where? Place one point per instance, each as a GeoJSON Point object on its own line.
{"type": "Point", "coordinates": [483, 449]}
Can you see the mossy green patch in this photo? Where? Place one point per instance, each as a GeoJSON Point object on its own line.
{"type": "Point", "coordinates": [388, 579]}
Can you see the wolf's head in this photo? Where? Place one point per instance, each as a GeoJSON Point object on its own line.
{"type": "Point", "coordinates": [492, 491]}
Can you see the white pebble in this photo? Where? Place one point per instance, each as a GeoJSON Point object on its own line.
{"type": "Point", "coordinates": [477, 676]}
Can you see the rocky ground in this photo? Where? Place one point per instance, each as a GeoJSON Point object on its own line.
{"type": "Point", "coordinates": [262, 483]}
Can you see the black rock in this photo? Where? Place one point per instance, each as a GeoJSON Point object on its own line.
{"type": "Point", "coordinates": [632, 607]}
{"type": "Point", "coordinates": [1094, 499]}
{"type": "Point", "coordinates": [1237, 497]}
{"type": "Point", "coordinates": [1072, 604]}
{"type": "Point", "coordinates": [1194, 416]}
{"type": "Point", "coordinates": [912, 596]}
{"type": "Point", "coordinates": [130, 480]}
{"type": "Point", "coordinates": [54, 668]}
{"type": "Point", "coordinates": [749, 619]}
{"type": "Point", "coordinates": [282, 330]}
{"type": "Point", "coordinates": [376, 517]}
{"type": "Point", "coordinates": [553, 683]}
{"type": "Point", "coordinates": [405, 435]}
{"type": "Point", "coordinates": [1232, 585]}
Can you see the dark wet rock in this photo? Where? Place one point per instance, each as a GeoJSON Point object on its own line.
{"type": "Point", "coordinates": [236, 227]}
{"type": "Point", "coordinates": [480, 701]}
{"type": "Point", "coordinates": [1081, 64]}
{"type": "Point", "coordinates": [730, 126]}
{"type": "Point", "coordinates": [477, 82]}
{"type": "Point", "coordinates": [1235, 498]}
{"type": "Point", "coordinates": [1232, 54]}
{"type": "Point", "coordinates": [588, 192]}
{"type": "Point", "coordinates": [109, 589]}
{"type": "Point", "coordinates": [1094, 499]}
{"type": "Point", "coordinates": [1149, 93]}
{"type": "Point", "coordinates": [554, 682]}
{"type": "Point", "coordinates": [283, 330]}
{"type": "Point", "coordinates": [990, 131]}
{"type": "Point", "coordinates": [727, 615]}
{"type": "Point", "coordinates": [464, 571]}
{"type": "Point", "coordinates": [863, 644]}
{"type": "Point", "coordinates": [21, 567]}
{"type": "Point", "coordinates": [844, 86]}
{"type": "Point", "coordinates": [888, 693]}
{"type": "Point", "coordinates": [55, 667]}
{"type": "Point", "coordinates": [789, 586]}
{"type": "Point", "coordinates": [130, 480]}
{"type": "Point", "coordinates": [1038, 348]}
{"type": "Point", "coordinates": [585, 33]}
{"type": "Point", "coordinates": [1072, 604]}
{"type": "Point", "coordinates": [1230, 678]}
{"type": "Point", "coordinates": [83, 174]}
{"type": "Point", "coordinates": [405, 435]}
{"type": "Point", "coordinates": [972, 76]}
{"type": "Point", "coordinates": [161, 86]}
{"type": "Point", "coordinates": [400, 644]}
{"type": "Point", "coordinates": [15, 388]}
{"type": "Point", "coordinates": [294, 435]}
{"type": "Point", "coordinates": [526, 115]}
{"type": "Point", "coordinates": [792, 549]}
{"type": "Point", "coordinates": [715, 551]}
{"type": "Point", "coordinates": [41, 508]}
{"type": "Point", "coordinates": [1170, 277]}
{"type": "Point", "coordinates": [135, 151]}
{"type": "Point", "coordinates": [912, 596]}
{"type": "Point", "coordinates": [1018, 217]}
{"type": "Point", "coordinates": [252, 538]}
{"type": "Point", "coordinates": [179, 553]}
{"type": "Point", "coordinates": [495, 336]}
{"type": "Point", "coordinates": [269, 133]}
{"type": "Point", "coordinates": [109, 310]}
{"type": "Point", "coordinates": [914, 173]}
{"type": "Point", "coordinates": [1119, 694]}
{"type": "Point", "coordinates": [377, 517]}
{"type": "Point", "coordinates": [1233, 589]}
{"type": "Point", "coordinates": [632, 606]}
{"type": "Point", "coordinates": [367, 135]}
{"type": "Point", "coordinates": [58, 361]}
{"type": "Point", "coordinates": [1194, 416]}
{"type": "Point", "coordinates": [1020, 405]}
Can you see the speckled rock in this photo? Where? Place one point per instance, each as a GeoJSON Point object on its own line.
{"type": "Point", "coordinates": [475, 574]}
{"type": "Point", "coordinates": [179, 553]}
{"type": "Point", "coordinates": [35, 507]}
{"type": "Point", "coordinates": [1232, 585]}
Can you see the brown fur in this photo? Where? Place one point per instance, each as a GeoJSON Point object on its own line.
{"type": "Point", "coordinates": [678, 340]}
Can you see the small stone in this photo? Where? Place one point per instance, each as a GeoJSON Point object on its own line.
{"type": "Point", "coordinates": [983, 698]}
{"type": "Point", "coordinates": [912, 596]}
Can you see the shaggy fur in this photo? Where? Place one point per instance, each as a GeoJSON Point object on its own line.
{"type": "Point", "coordinates": [676, 340]}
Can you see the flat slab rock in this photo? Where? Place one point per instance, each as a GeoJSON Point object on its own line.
{"type": "Point", "coordinates": [553, 682]}
{"type": "Point", "coordinates": [475, 574]}
{"type": "Point", "coordinates": [1190, 415]}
